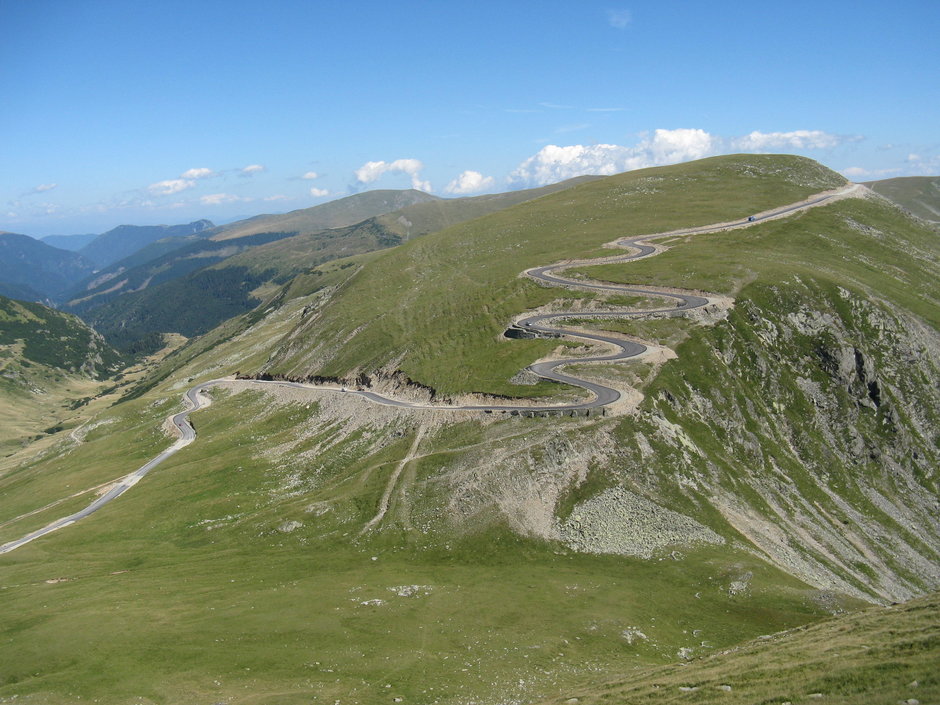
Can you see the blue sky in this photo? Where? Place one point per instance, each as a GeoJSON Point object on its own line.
{"type": "Point", "coordinates": [162, 112]}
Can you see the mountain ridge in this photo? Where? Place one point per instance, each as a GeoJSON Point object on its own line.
{"type": "Point", "coordinates": [124, 240]}
{"type": "Point", "coordinates": [28, 264]}
{"type": "Point", "coordinates": [779, 468]}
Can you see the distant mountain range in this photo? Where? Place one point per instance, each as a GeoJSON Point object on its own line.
{"type": "Point", "coordinates": [771, 460]}
{"type": "Point", "coordinates": [72, 243]}
{"type": "Point", "coordinates": [138, 298]}
{"type": "Point", "coordinates": [125, 240]}
{"type": "Point", "coordinates": [37, 270]}
{"type": "Point", "coordinates": [335, 214]}
{"type": "Point", "coordinates": [31, 269]}
{"type": "Point", "coordinates": [134, 283]}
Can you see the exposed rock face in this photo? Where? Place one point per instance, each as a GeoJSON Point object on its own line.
{"type": "Point", "coordinates": [812, 428]}
{"type": "Point", "coordinates": [805, 425]}
{"type": "Point", "coordinates": [619, 521]}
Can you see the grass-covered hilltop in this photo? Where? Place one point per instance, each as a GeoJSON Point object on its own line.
{"type": "Point", "coordinates": [770, 467]}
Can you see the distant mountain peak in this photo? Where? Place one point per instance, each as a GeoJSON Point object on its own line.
{"type": "Point", "coordinates": [124, 240]}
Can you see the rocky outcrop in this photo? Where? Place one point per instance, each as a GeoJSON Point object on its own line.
{"type": "Point", "coordinates": [811, 427]}
{"type": "Point", "coordinates": [620, 521]}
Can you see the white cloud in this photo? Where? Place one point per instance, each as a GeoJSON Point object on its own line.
{"type": "Point", "coordinates": [856, 171]}
{"type": "Point", "coordinates": [197, 173]}
{"type": "Point", "coordinates": [922, 165]}
{"type": "Point", "coordinates": [319, 192]}
{"type": "Point", "coordinates": [310, 175]}
{"type": "Point", "coordinates": [276, 197]}
{"type": "Point", "coordinates": [553, 163]}
{"type": "Point", "coordinates": [370, 171]}
{"type": "Point", "coordinates": [42, 188]}
{"type": "Point", "coordinates": [672, 146]}
{"type": "Point", "coordinates": [470, 182]}
{"type": "Point", "coordinates": [171, 186]}
{"type": "Point", "coordinates": [618, 19]}
{"type": "Point", "coordinates": [251, 170]}
{"type": "Point", "coordinates": [217, 199]}
{"type": "Point", "coordinates": [798, 139]}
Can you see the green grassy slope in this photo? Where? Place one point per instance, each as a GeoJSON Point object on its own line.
{"type": "Point", "coordinates": [334, 214]}
{"type": "Point", "coordinates": [918, 194]}
{"type": "Point", "coordinates": [137, 299]}
{"type": "Point", "coordinates": [424, 218]}
{"type": "Point", "coordinates": [47, 360]}
{"type": "Point", "coordinates": [302, 252]}
{"type": "Point", "coordinates": [54, 339]}
{"type": "Point", "coordinates": [236, 576]}
{"type": "Point", "coordinates": [881, 656]}
{"type": "Point", "coordinates": [151, 263]}
{"type": "Point", "coordinates": [814, 406]}
{"type": "Point", "coordinates": [435, 307]}
{"type": "Point", "coordinates": [854, 243]}
{"type": "Point", "coordinates": [786, 458]}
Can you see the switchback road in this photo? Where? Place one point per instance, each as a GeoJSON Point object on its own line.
{"type": "Point", "coordinates": [539, 324]}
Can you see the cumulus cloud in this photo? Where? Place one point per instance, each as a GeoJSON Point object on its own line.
{"type": "Point", "coordinates": [798, 139]}
{"type": "Point", "coordinates": [470, 182]}
{"type": "Point", "coordinates": [276, 197]}
{"type": "Point", "coordinates": [319, 192]}
{"type": "Point", "coordinates": [618, 19]}
{"type": "Point", "coordinates": [197, 173]}
{"type": "Point", "coordinates": [251, 170]}
{"type": "Point", "coordinates": [217, 199]}
{"type": "Point", "coordinates": [856, 171]}
{"type": "Point", "coordinates": [170, 186]}
{"type": "Point", "coordinates": [554, 163]}
{"type": "Point", "coordinates": [310, 175]}
{"type": "Point", "coordinates": [42, 188]}
{"type": "Point", "coordinates": [370, 171]}
{"type": "Point", "coordinates": [922, 164]}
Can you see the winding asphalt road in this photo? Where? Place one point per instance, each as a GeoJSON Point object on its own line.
{"type": "Point", "coordinates": [187, 435]}
{"type": "Point", "coordinates": [538, 324]}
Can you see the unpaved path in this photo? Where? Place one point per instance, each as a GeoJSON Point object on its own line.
{"type": "Point", "coordinates": [390, 487]}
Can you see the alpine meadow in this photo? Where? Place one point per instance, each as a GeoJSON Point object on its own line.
{"type": "Point", "coordinates": [469, 355]}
